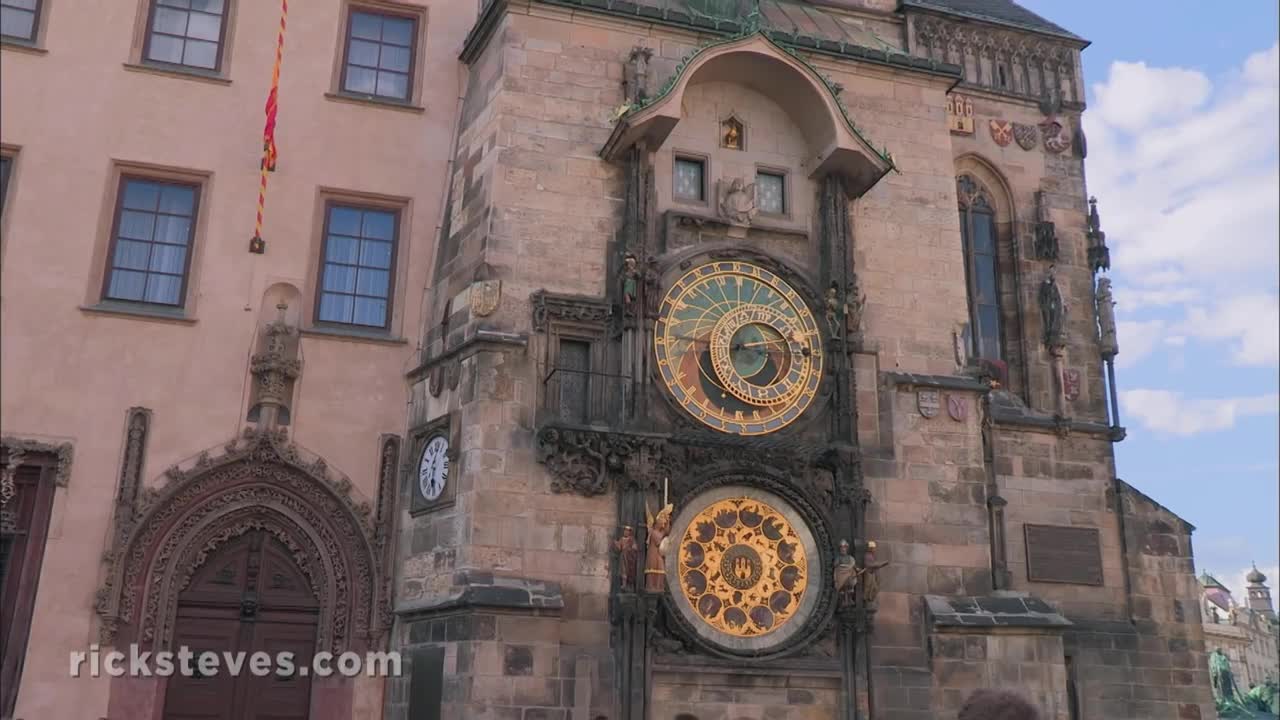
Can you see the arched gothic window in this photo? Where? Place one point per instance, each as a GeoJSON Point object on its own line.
{"type": "Point", "coordinates": [978, 234]}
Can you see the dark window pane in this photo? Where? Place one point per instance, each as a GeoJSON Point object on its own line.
{"type": "Point", "coordinates": [379, 225]}
{"type": "Point", "coordinates": [572, 366]}
{"type": "Point", "coordinates": [205, 27]}
{"type": "Point", "coordinates": [985, 276]}
{"type": "Point", "coordinates": [209, 6]}
{"type": "Point", "coordinates": [172, 22]}
{"type": "Point", "coordinates": [688, 179]}
{"type": "Point", "coordinates": [988, 335]}
{"type": "Point", "coordinates": [141, 195]}
{"type": "Point", "coordinates": [372, 282]}
{"type": "Point", "coordinates": [137, 225]}
{"type": "Point", "coordinates": [983, 234]}
{"type": "Point", "coordinates": [184, 4]}
{"type": "Point", "coordinates": [770, 193]}
{"type": "Point", "coordinates": [23, 4]}
{"type": "Point", "coordinates": [165, 49]}
{"type": "Point", "coordinates": [173, 229]}
{"type": "Point", "coordinates": [336, 308]}
{"type": "Point", "coordinates": [340, 278]}
{"type": "Point", "coordinates": [168, 258]}
{"type": "Point", "coordinates": [163, 289]}
{"type": "Point", "coordinates": [126, 285]}
{"type": "Point", "coordinates": [344, 221]}
{"type": "Point", "coordinates": [132, 255]}
{"type": "Point", "coordinates": [392, 85]}
{"type": "Point", "coordinates": [366, 25]}
{"type": "Point", "coordinates": [342, 249]}
{"type": "Point", "coordinates": [375, 254]}
{"type": "Point", "coordinates": [369, 311]}
{"type": "Point", "coordinates": [361, 80]}
{"type": "Point", "coordinates": [17, 23]}
{"type": "Point", "coordinates": [200, 54]}
{"type": "Point", "coordinates": [176, 200]}
{"type": "Point", "coordinates": [363, 52]}
{"type": "Point", "coordinates": [397, 31]}
{"type": "Point", "coordinates": [394, 58]}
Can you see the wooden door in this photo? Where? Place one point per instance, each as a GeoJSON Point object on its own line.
{"type": "Point", "coordinates": [249, 597]}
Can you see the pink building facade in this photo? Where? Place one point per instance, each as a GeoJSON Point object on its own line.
{"type": "Point", "coordinates": [136, 346]}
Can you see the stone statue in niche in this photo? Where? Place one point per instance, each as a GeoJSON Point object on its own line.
{"type": "Point", "coordinates": [636, 75]}
{"type": "Point", "coordinates": [845, 576]}
{"type": "Point", "coordinates": [628, 554]}
{"type": "Point", "coordinates": [738, 202]}
{"type": "Point", "coordinates": [655, 565]}
{"type": "Point", "coordinates": [1046, 238]}
{"type": "Point", "coordinates": [1105, 308]}
{"type": "Point", "coordinates": [652, 286]}
{"type": "Point", "coordinates": [854, 302]}
{"type": "Point", "coordinates": [1053, 312]}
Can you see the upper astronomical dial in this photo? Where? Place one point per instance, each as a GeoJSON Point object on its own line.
{"type": "Point", "coordinates": [738, 348]}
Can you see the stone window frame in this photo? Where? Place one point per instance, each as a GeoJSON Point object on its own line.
{"type": "Point", "coordinates": [331, 205]}
{"type": "Point", "coordinates": [150, 32]}
{"type": "Point", "coordinates": [95, 300]}
{"type": "Point", "coordinates": [397, 306]}
{"type": "Point", "coordinates": [980, 201]}
{"type": "Point", "coordinates": [785, 174]}
{"type": "Point", "coordinates": [196, 188]}
{"type": "Point", "coordinates": [137, 60]}
{"type": "Point", "coordinates": [595, 335]}
{"type": "Point", "coordinates": [12, 154]}
{"type": "Point", "coordinates": [417, 57]}
{"type": "Point", "coordinates": [678, 155]}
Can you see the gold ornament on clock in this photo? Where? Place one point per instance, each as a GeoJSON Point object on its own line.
{"type": "Point", "coordinates": [738, 348]}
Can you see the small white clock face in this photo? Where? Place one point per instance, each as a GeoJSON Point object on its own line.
{"type": "Point", "coordinates": [433, 468]}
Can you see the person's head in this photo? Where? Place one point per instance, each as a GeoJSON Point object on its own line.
{"type": "Point", "coordinates": [997, 705]}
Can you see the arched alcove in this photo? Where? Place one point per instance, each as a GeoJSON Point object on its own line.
{"type": "Point", "coordinates": [756, 62]}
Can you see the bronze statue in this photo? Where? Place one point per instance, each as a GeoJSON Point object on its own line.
{"type": "Point", "coordinates": [845, 576]}
{"type": "Point", "coordinates": [655, 565]}
{"type": "Point", "coordinates": [628, 554]}
{"type": "Point", "coordinates": [1053, 312]}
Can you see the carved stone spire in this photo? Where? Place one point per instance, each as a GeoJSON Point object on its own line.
{"type": "Point", "coordinates": [275, 368]}
{"type": "Point", "coordinates": [1099, 254]}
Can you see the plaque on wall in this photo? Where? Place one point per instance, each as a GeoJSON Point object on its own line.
{"type": "Point", "coordinates": [1063, 554]}
{"type": "Point", "coordinates": [960, 114]}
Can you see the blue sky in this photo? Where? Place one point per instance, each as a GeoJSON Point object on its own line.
{"type": "Point", "coordinates": [1183, 118]}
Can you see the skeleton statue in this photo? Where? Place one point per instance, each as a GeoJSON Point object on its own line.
{"type": "Point", "coordinates": [832, 302]}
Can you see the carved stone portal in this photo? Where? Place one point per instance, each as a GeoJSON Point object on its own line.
{"type": "Point", "coordinates": [261, 482]}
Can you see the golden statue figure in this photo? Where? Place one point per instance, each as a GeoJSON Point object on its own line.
{"type": "Point", "coordinates": [655, 565]}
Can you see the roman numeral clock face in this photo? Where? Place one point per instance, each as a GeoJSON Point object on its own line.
{"type": "Point", "coordinates": [738, 348]}
{"type": "Point", "coordinates": [433, 469]}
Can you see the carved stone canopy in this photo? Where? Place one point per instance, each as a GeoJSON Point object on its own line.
{"type": "Point", "coordinates": [755, 61]}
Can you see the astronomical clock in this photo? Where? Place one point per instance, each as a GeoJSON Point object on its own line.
{"type": "Point", "coordinates": [738, 349]}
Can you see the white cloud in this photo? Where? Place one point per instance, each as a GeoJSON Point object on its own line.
{"type": "Point", "coordinates": [1137, 95]}
{"type": "Point", "coordinates": [1188, 179]}
{"type": "Point", "coordinates": [1137, 339]}
{"type": "Point", "coordinates": [1169, 412]}
{"type": "Point", "coordinates": [1251, 323]}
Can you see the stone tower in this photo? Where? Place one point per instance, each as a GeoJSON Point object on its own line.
{"type": "Point", "coordinates": [1259, 594]}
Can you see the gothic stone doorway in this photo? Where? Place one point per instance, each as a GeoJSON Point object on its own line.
{"type": "Point", "coordinates": [249, 597]}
